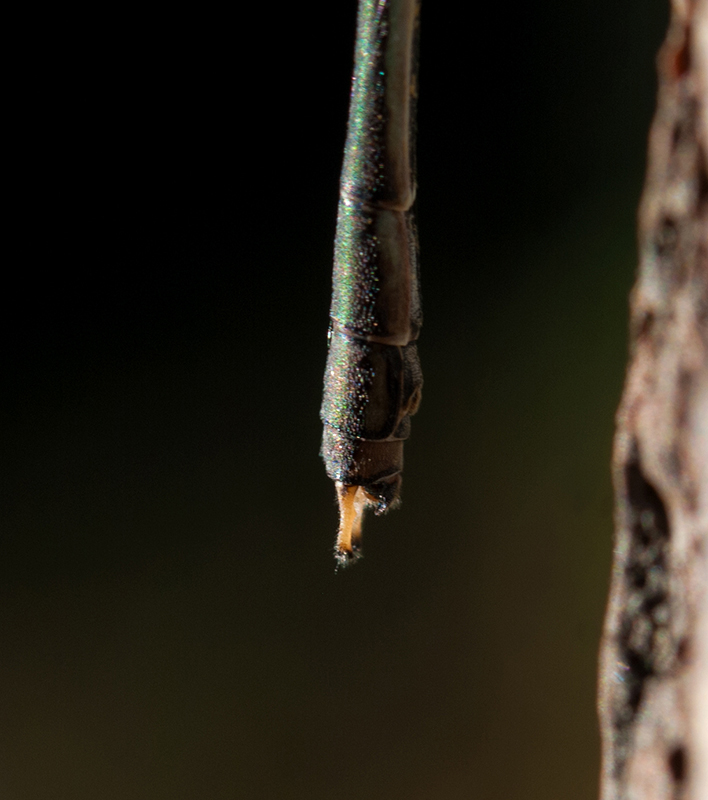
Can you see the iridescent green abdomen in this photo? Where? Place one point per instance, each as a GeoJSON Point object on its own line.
{"type": "Point", "coordinates": [373, 378]}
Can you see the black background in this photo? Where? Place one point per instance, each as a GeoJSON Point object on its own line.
{"type": "Point", "coordinates": [170, 619]}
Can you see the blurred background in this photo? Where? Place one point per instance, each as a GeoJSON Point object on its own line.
{"type": "Point", "coordinates": [171, 624]}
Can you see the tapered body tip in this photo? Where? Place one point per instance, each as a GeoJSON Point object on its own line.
{"type": "Point", "coordinates": [373, 377]}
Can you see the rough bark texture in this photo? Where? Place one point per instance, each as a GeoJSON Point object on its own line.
{"type": "Point", "coordinates": [654, 661]}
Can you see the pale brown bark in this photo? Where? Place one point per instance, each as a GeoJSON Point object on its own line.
{"type": "Point", "coordinates": [653, 694]}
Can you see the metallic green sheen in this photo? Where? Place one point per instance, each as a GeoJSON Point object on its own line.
{"type": "Point", "coordinates": [354, 278]}
{"type": "Point", "coordinates": [363, 169]}
{"type": "Point", "coordinates": [372, 378]}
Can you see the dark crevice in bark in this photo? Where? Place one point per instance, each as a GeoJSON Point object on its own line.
{"type": "Point", "coordinates": [666, 240]}
{"type": "Point", "coordinates": [647, 609]}
{"type": "Point", "coordinates": [677, 764]}
{"type": "Point", "coordinates": [683, 651]}
{"type": "Point", "coordinates": [702, 180]}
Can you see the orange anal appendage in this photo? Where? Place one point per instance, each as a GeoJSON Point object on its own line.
{"type": "Point", "coordinates": [352, 502]}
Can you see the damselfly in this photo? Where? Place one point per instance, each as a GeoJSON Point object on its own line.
{"type": "Point", "coordinates": [373, 379]}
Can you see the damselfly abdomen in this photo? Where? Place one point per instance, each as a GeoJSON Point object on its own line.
{"type": "Point", "coordinates": [373, 379]}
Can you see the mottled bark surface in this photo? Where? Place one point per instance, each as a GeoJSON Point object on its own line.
{"type": "Point", "coordinates": [654, 660]}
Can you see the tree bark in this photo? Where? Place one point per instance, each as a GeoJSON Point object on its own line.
{"type": "Point", "coordinates": [653, 692]}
